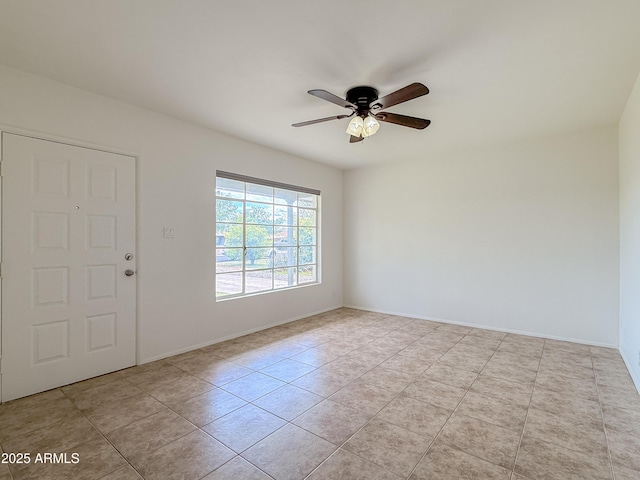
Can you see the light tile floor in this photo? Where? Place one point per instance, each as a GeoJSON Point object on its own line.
{"type": "Point", "coordinates": [346, 394]}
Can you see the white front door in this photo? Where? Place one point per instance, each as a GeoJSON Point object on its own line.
{"type": "Point", "coordinates": [68, 227]}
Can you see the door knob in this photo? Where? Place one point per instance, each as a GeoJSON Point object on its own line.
{"type": "Point", "coordinates": [129, 272]}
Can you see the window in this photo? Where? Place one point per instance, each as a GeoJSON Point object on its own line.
{"type": "Point", "coordinates": [266, 235]}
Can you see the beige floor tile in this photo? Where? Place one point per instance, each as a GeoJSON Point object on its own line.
{"type": "Point", "coordinates": [568, 433]}
{"type": "Point", "coordinates": [77, 387]}
{"type": "Point", "coordinates": [253, 386]}
{"type": "Point", "coordinates": [481, 332]}
{"type": "Point", "coordinates": [237, 469]}
{"type": "Point", "coordinates": [445, 463]}
{"type": "Point", "coordinates": [449, 327]}
{"type": "Point", "coordinates": [321, 382]}
{"type": "Point", "coordinates": [388, 379]}
{"type": "Point", "coordinates": [95, 460]}
{"type": "Point", "coordinates": [369, 356]}
{"type": "Point", "coordinates": [186, 356]}
{"type": "Point", "coordinates": [32, 413]}
{"type": "Point", "coordinates": [441, 337]}
{"type": "Point", "coordinates": [244, 427]}
{"type": "Point", "coordinates": [623, 473]}
{"type": "Point", "coordinates": [484, 342]}
{"type": "Point", "coordinates": [198, 361]}
{"type": "Point", "coordinates": [574, 386]}
{"type": "Point", "coordinates": [343, 465]}
{"type": "Point", "coordinates": [566, 370]}
{"type": "Point", "coordinates": [415, 415]}
{"type": "Point", "coordinates": [625, 450]}
{"type": "Point", "coordinates": [404, 364]}
{"type": "Point", "coordinates": [619, 378]}
{"type": "Point", "coordinates": [418, 329]}
{"type": "Point", "coordinates": [471, 349]}
{"type": "Point", "coordinates": [157, 377]}
{"type": "Point", "coordinates": [305, 451]}
{"type": "Point", "coordinates": [524, 340]}
{"type": "Point", "coordinates": [538, 459]}
{"type": "Point", "coordinates": [221, 373]}
{"type": "Point", "coordinates": [318, 356]}
{"type": "Point", "coordinates": [332, 421]}
{"type": "Point", "coordinates": [57, 437]}
{"type": "Point", "coordinates": [111, 416]}
{"type": "Point", "coordinates": [364, 397]}
{"type": "Point", "coordinates": [622, 420]}
{"type": "Point", "coordinates": [608, 363]}
{"type": "Point", "coordinates": [257, 360]}
{"type": "Point", "coordinates": [124, 473]}
{"type": "Point", "coordinates": [463, 361]}
{"type": "Point", "coordinates": [146, 367]}
{"type": "Point", "coordinates": [531, 349]}
{"type": "Point", "coordinates": [422, 353]}
{"type": "Point", "coordinates": [288, 402]}
{"type": "Point", "coordinates": [287, 370]}
{"type": "Point", "coordinates": [402, 338]}
{"type": "Point", "coordinates": [206, 408]}
{"type": "Point", "coordinates": [511, 373]}
{"type": "Point", "coordinates": [619, 397]}
{"type": "Point", "coordinates": [567, 405]}
{"type": "Point", "coordinates": [389, 446]}
{"type": "Point", "coordinates": [383, 348]}
{"type": "Point", "coordinates": [570, 347]}
{"type": "Point", "coordinates": [503, 389]}
{"type": "Point", "coordinates": [149, 434]}
{"type": "Point", "coordinates": [192, 456]}
{"type": "Point", "coordinates": [503, 412]}
{"type": "Point", "coordinates": [351, 368]}
{"type": "Point", "coordinates": [604, 352]}
{"type": "Point", "coordinates": [505, 357]}
{"type": "Point", "coordinates": [561, 357]}
{"type": "Point", "coordinates": [180, 390]}
{"type": "Point", "coordinates": [435, 393]}
{"type": "Point", "coordinates": [106, 393]}
{"type": "Point", "coordinates": [490, 442]}
{"type": "Point", "coordinates": [455, 377]}
{"type": "Point", "coordinates": [329, 375]}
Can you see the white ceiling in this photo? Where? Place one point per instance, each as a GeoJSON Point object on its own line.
{"type": "Point", "coordinates": [498, 70]}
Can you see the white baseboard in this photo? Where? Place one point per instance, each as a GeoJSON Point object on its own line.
{"type": "Point", "coordinates": [485, 327]}
{"type": "Point", "coordinates": [232, 336]}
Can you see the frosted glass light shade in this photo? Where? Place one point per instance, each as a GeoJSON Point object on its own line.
{"type": "Point", "coordinates": [371, 126]}
{"type": "Point", "coordinates": [355, 126]}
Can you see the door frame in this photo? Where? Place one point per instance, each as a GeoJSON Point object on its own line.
{"type": "Point", "coordinates": [74, 142]}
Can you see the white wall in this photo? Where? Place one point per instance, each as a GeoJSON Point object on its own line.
{"type": "Point", "coordinates": [176, 173]}
{"type": "Point", "coordinates": [629, 131]}
{"type": "Point", "coordinates": [521, 238]}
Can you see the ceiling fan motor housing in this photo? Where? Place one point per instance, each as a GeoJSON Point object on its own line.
{"type": "Point", "coordinates": [362, 98]}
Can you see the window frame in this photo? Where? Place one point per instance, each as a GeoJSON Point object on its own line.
{"type": "Point", "coordinates": [246, 269]}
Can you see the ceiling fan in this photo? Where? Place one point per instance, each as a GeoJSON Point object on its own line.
{"type": "Point", "coordinates": [366, 109]}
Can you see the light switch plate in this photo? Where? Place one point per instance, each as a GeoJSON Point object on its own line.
{"type": "Point", "coordinates": [168, 232]}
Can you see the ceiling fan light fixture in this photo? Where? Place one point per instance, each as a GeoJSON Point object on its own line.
{"type": "Point", "coordinates": [371, 126]}
{"type": "Point", "coordinates": [355, 126]}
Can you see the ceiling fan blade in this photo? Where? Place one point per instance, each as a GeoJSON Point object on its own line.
{"type": "Point", "coordinates": [320, 120]}
{"type": "Point", "coordinates": [405, 94]}
{"type": "Point", "coordinates": [330, 97]}
{"type": "Point", "coordinates": [404, 120]}
{"type": "Point", "coordinates": [354, 139]}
